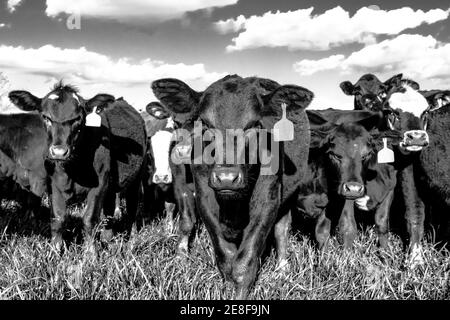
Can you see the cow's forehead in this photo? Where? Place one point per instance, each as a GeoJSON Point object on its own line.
{"type": "Point", "coordinates": [62, 106]}
{"type": "Point", "coordinates": [408, 101]}
{"type": "Point", "coordinates": [231, 110]}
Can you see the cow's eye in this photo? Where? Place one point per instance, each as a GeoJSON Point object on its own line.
{"type": "Point", "coordinates": [366, 157]}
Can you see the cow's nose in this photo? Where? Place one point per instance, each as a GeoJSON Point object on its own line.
{"type": "Point", "coordinates": [416, 137]}
{"type": "Point", "coordinates": [162, 178]}
{"type": "Point", "coordinates": [227, 178]}
{"type": "Point", "coordinates": [353, 189]}
{"type": "Point", "coordinates": [59, 151]}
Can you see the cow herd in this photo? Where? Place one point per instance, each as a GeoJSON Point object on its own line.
{"type": "Point", "coordinates": [244, 157]}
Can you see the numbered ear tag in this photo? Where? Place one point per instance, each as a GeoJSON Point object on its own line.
{"type": "Point", "coordinates": [385, 155]}
{"type": "Point", "coordinates": [93, 119]}
{"type": "Point", "coordinates": [283, 130]}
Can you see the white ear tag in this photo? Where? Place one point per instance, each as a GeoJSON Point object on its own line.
{"type": "Point", "coordinates": [93, 119]}
{"type": "Point", "coordinates": [283, 130]}
{"type": "Point", "coordinates": [385, 155]}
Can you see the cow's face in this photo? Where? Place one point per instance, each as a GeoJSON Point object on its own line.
{"type": "Point", "coordinates": [233, 109]}
{"type": "Point", "coordinates": [367, 90]}
{"type": "Point", "coordinates": [63, 112]}
{"type": "Point", "coordinates": [437, 99]}
{"type": "Point", "coordinates": [349, 151]}
{"type": "Point", "coordinates": [163, 128]}
{"type": "Point", "coordinates": [409, 105]}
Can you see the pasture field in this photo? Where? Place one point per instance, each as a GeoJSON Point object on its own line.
{"type": "Point", "coordinates": [145, 268]}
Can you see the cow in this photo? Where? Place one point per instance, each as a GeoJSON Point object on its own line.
{"type": "Point", "coordinates": [166, 181]}
{"type": "Point", "coordinates": [434, 160]}
{"type": "Point", "coordinates": [240, 203]}
{"type": "Point", "coordinates": [22, 153]}
{"type": "Point", "coordinates": [342, 170]}
{"type": "Point", "coordinates": [401, 96]}
{"type": "Point", "coordinates": [96, 149]}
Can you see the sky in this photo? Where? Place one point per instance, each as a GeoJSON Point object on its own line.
{"type": "Point", "coordinates": [121, 46]}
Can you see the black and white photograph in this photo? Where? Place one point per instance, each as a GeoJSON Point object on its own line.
{"type": "Point", "coordinates": [211, 151]}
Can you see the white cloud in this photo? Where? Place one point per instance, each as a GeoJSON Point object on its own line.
{"type": "Point", "coordinates": [301, 29]}
{"type": "Point", "coordinates": [13, 4]}
{"type": "Point", "coordinates": [131, 10]}
{"type": "Point", "coordinates": [417, 56]}
{"type": "Point", "coordinates": [94, 72]}
{"type": "Point", "coordinates": [308, 67]}
{"type": "Point", "coordinates": [83, 66]}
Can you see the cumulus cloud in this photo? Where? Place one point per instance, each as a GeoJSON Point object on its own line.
{"type": "Point", "coordinates": [86, 67]}
{"type": "Point", "coordinates": [421, 57]}
{"type": "Point", "coordinates": [308, 67]}
{"type": "Point", "coordinates": [300, 29]}
{"type": "Point", "coordinates": [13, 4]}
{"type": "Point", "coordinates": [131, 10]}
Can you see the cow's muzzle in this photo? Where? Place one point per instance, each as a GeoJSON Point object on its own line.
{"type": "Point", "coordinates": [162, 178]}
{"type": "Point", "coordinates": [227, 179]}
{"type": "Point", "coordinates": [415, 140]}
{"type": "Point", "coordinates": [352, 190]}
{"type": "Point", "coordinates": [59, 152]}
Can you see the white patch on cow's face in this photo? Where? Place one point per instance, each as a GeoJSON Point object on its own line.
{"type": "Point", "coordinates": [160, 145]}
{"type": "Point", "coordinates": [53, 96]}
{"type": "Point", "coordinates": [410, 101]}
{"type": "Point", "coordinates": [170, 123]}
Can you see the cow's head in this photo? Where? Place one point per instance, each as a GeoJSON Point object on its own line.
{"type": "Point", "coordinates": [407, 106]}
{"type": "Point", "coordinates": [63, 111]}
{"type": "Point", "coordinates": [370, 92]}
{"type": "Point", "coordinates": [437, 99]}
{"type": "Point", "coordinates": [232, 107]}
{"type": "Point", "coordinates": [350, 150]}
{"type": "Point", "coordinates": [161, 130]}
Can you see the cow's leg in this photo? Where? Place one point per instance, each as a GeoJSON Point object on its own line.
{"type": "Point", "coordinates": [133, 197]}
{"type": "Point", "coordinates": [94, 204]}
{"type": "Point", "coordinates": [187, 221]}
{"type": "Point", "coordinates": [414, 215]}
{"type": "Point", "coordinates": [58, 210]}
{"type": "Point", "coordinates": [108, 211]}
{"type": "Point", "coordinates": [264, 207]}
{"type": "Point", "coordinates": [322, 230]}
{"type": "Point", "coordinates": [382, 219]}
{"type": "Point", "coordinates": [282, 228]}
{"type": "Point", "coordinates": [347, 224]}
{"type": "Point", "coordinates": [209, 211]}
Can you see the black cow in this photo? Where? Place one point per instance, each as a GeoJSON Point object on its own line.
{"type": "Point", "coordinates": [435, 160]}
{"type": "Point", "coordinates": [166, 181]}
{"type": "Point", "coordinates": [342, 170]}
{"type": "Point", "coordinates": [22, 151]}
{"type": "Point", "coordinates": [88, 162]}
{"type": "Point", "coordinates": [403, 98]}
{"type": "Point", "coordinates": [241, 203]}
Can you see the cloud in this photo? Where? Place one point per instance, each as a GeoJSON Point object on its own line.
{"type": "Point", "coordinates": [86, 67]}
{"type": "Point", "coordinates": [131, 10]}
{"type": "Point", "coordinates": [421, 57]}
{"type": "Point", "coordinates": [308, 67]}
{"type": "Point", "coordinates": [13, 4]}
{"type": "Point", "coordinates": [301, 29]}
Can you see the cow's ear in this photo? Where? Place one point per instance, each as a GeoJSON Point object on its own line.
{"type": "Point", "coordinates": [176, 95]}
{"type": "Point", "coordinates": [25, 100]}
{"type": "Point", "coordinates": [440, 99]}
{"type": "Point", "coordinates": [315, 119]}
{"type": "Point", "coordinates": [347, 87]}
{"type": "Point", "coordinates": [101, 101]}
{"type": "Point", "coordinates": [413, 84]}
{"type": "Point", "coordinates": [295, 97]}
{"type": "Point", "coordinates": [157, 110]}
{"type": "Point", "coordinates": [394, 82]}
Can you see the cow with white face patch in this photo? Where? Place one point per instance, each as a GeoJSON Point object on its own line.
{"type": "Point", "coordinates": [166, 181]}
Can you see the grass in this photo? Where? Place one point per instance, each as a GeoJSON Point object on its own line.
{"type": "Point", "coordinates": [145, 268]}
